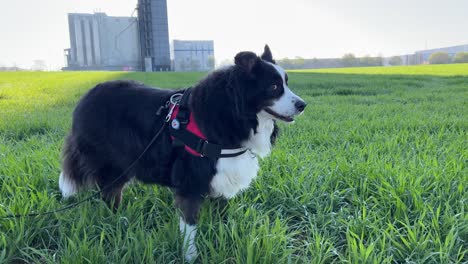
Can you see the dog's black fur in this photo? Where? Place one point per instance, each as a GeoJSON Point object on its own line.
{"type": "Point", "coordinates": [114, 122]}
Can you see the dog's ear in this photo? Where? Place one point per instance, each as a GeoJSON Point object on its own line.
{"type": "Point", "coordinates": [267, 56]}
{"type": "Point", "coordinates": [246, 60]}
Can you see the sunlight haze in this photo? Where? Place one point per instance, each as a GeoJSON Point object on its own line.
{"type": "Point", "coordinates": [38, 30]}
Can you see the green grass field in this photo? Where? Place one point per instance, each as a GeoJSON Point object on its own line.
{"type": "Point", "coordinates": [375, 171]}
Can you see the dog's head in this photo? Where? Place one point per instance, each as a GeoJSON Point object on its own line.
{"type": "Point", "coordinates": [267, 90]}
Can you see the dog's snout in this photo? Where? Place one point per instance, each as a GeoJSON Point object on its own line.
{"type": "Point", "coordinates": [300, 105]}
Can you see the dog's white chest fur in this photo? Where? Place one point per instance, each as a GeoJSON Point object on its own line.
{"type": "Point", "coordinates": [235, 174]}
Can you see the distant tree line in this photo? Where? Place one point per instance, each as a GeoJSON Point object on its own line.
{"type": "Point", "coordinates": [11, 69]}
{"type": "Point", "coordinates": [348, 60]}
{"type": "Point", "coordinates": [395, 60]}
{"type": "Point", "coordinates": [38, 65]}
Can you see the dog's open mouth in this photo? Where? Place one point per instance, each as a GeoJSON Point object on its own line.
{"type": "Point", "coordinates": [280, 117]}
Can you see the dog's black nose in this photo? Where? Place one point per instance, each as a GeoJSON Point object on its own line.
{"type": "Point", "coordinates": [300, 105]}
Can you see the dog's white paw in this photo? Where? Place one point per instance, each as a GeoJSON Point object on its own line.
{"type": "Point", "coordinates": [189, 247]}
{"type": "Point", "coordinates": [191, 253]}
{"type": "Point", "coordinates": [67, 186]}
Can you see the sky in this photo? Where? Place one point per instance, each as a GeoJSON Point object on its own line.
{"type": "Point", "coordinates": [38, 30]}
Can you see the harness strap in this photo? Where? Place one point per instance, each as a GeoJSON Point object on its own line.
{"type": "Point", "coordinates": [205, 148]}
{"type": "Point", "coordinates": [183, 116]}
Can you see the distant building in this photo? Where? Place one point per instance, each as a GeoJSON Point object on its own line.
{"type": "Point", "coordinates": [154, 35]}
{"type": "Point", "coordinates": [101, 42]}
{"type": "Point", "coordinates": [193, 55]}
{"type": "Point", "coordinates": [422, 56]}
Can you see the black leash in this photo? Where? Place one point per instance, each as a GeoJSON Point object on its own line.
{"type": "Point", "coordinates": [97, 193]}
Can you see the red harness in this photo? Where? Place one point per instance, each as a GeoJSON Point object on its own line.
{"type": "Point", "coordinates": [185, 132]}
{"type": "Point", "coordinates": [192, 127]}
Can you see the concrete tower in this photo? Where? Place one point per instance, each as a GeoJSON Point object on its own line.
{"type": "Point", "coordinates": [154, 35]}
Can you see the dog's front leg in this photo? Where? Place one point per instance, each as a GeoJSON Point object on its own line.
{"type": "Point", "coordinates": [189, 207]}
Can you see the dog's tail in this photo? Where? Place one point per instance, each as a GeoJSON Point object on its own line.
{"type": "Point", "coordinates": [76, 173]}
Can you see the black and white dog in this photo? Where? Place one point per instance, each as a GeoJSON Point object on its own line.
{"type": "Point", "coordinates": [235, 106]}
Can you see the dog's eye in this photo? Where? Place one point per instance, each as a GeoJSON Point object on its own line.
{"type": "Point", "coordinates": [274, 87]}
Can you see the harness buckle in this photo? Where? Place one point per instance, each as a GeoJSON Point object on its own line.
{"type": "Point", "coordinates": [207, 149]}
{"type": "Point", "coordinates": [201, 147]}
